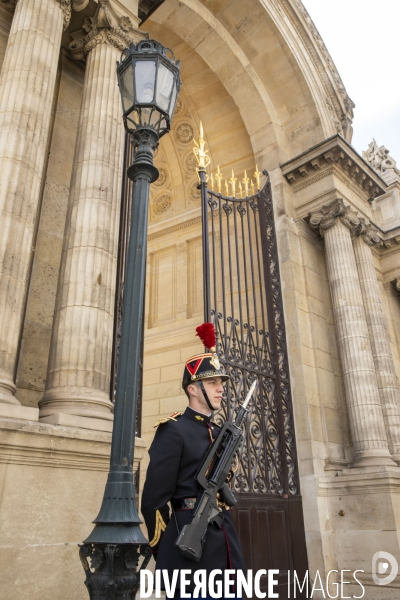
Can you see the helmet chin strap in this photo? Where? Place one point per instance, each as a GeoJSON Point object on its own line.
{"type": "Point", "coordinates": [203, 389]}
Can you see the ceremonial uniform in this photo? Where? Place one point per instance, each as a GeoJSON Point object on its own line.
{"type": "Point", "coordinates": [176, 453]}
{"type": "Point", "coordinates": [178, 450]}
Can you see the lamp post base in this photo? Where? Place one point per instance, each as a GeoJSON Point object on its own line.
{"type": "Point", "coordinates": [112, 573]}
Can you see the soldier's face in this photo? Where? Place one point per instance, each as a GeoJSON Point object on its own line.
{"type": "Point", "coordinates": [214, 389]}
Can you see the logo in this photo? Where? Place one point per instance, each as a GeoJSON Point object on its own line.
{"type": "Point", "coordinates": [381, 561]}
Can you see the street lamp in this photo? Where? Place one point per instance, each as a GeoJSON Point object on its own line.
{"type": "Point", "coordinates": [148, 78]}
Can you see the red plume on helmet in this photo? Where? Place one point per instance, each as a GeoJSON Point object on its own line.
{"type": "Point", "coordinates": [206, 333]}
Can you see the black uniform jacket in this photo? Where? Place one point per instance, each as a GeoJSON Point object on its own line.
{"type": "Point", "coordinates": [176, 453]}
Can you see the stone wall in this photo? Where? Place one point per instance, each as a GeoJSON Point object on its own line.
{"type": "Point", "coordinates": [52, 482]}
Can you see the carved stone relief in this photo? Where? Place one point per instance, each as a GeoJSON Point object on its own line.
{"type": "Point", "coordinates": [378, 158]}
{"type": "Point", "coordinates": [190, 163]}
{"type": "Point", "coordinates": [162, 204]}
{"type": "Point", "coordinates": [178, 107]}
{"type": "Point", "coordinates": [194, 193]}
{"type": "Point", "coordinates": [184, 133]}
{"type": "Point", "coordinates": [161, 192]}
{"type": "Point", "coordinates": [162, 178]}
{"type": "Point", "coordinates": [176, 188]}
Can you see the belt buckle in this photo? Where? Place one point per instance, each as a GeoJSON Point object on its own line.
{"type": "Point", "coordinates": [189, 502]}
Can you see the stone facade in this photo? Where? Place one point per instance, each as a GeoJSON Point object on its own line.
{"type": "Point", "coordinates": [279, 105]}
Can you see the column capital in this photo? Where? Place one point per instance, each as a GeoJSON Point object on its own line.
{"type": "Point", "coordinates": [395, 283]}
{"type": "Point", "coordinates": [105, 27]}
{"type": "Point", "coordinates": [326, 217]}
{"type": "Point", "coordinates": [366, 232]}
{"type": "Point", "coordinates": [65, 7]}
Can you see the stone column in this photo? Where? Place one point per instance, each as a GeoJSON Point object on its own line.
{"type": "Point", "coordinates": [26, 92]}
{"type": "Point", "coordinates": [78, 378]}
{"type": "Point", "coordinates": [370, 445]}
{"type": "Point", "coordinates": [364, 238]}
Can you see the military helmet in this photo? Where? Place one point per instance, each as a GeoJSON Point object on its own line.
{"type": "Point", "coordinates": [204, 365]}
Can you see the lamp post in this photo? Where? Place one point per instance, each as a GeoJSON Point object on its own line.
{"type": "Point", "coordinates": [148, 78]}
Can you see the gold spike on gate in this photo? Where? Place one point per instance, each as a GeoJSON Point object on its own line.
{"type": "Point", "coordinates": [212, 182]}
{"type": "Point", "coordinates": [257, 175]}
{"type": "Point", "coordinates": [244, 189]}
{"type": "Point", "coordinates": [233, 181]}
{"type": "Point", "coordinates": [218, 179]}
{"type": "Point", "coordinates": [246, 182]}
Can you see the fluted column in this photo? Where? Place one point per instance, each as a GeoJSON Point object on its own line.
{"type": "Point", "coordinates": [78, 379]}
{"type": "Point", "coordinates": [26, 92]}
{"type": "Point", "coordinates": [370, 445]}
{"type": "Point", "coordinates": [364, 238]}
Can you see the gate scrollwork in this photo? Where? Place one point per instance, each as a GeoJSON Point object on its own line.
{"type": "Point", "coordinates": [243, 298]}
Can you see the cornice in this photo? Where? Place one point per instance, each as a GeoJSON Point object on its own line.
{"type": "Point", "coordinates": [327, 488]}
{"type": "Point", "coordinates": [43, 445]}
{"type": "Point", "coordinates": [333, 153]}
{"type": "Point", "coordinates": [352, 481]}
{"type": "Point", "coordinates": [389, 244]}
{"type": "Point", "coordinates": [173, 228]}
{"type": "Point", "coordinates": [388, 249]}
{"type": "Point", "coordinates": [339, 105]}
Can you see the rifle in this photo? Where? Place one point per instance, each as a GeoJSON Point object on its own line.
{"type": "Point", "coordinates": [212, 476]}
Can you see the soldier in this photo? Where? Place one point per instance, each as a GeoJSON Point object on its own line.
{"type": "Point", "coordinates": [177, 451]}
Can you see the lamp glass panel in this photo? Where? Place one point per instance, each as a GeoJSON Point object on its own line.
{"type": "Point", "coordinates": [145, 74]}
{"type": "Point", "coordinates": [154, 118]}
{"type": "Point", "coordinates": [173, 100]}
{"type": "Point", "coordinates": [145, 114]}
{"type": "Point", "coordinates": [127, 89]}
{"type": "Point", "coordinates": [133, 120]}
{"type": "Point", "coordinates": [165, 81]}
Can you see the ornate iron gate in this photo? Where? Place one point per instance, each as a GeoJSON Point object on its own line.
{"type": "Point", "coordinates": [243, 298]}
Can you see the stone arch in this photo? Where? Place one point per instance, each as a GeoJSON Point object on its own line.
{"type": "Point", "coordinates": [272, 63]}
